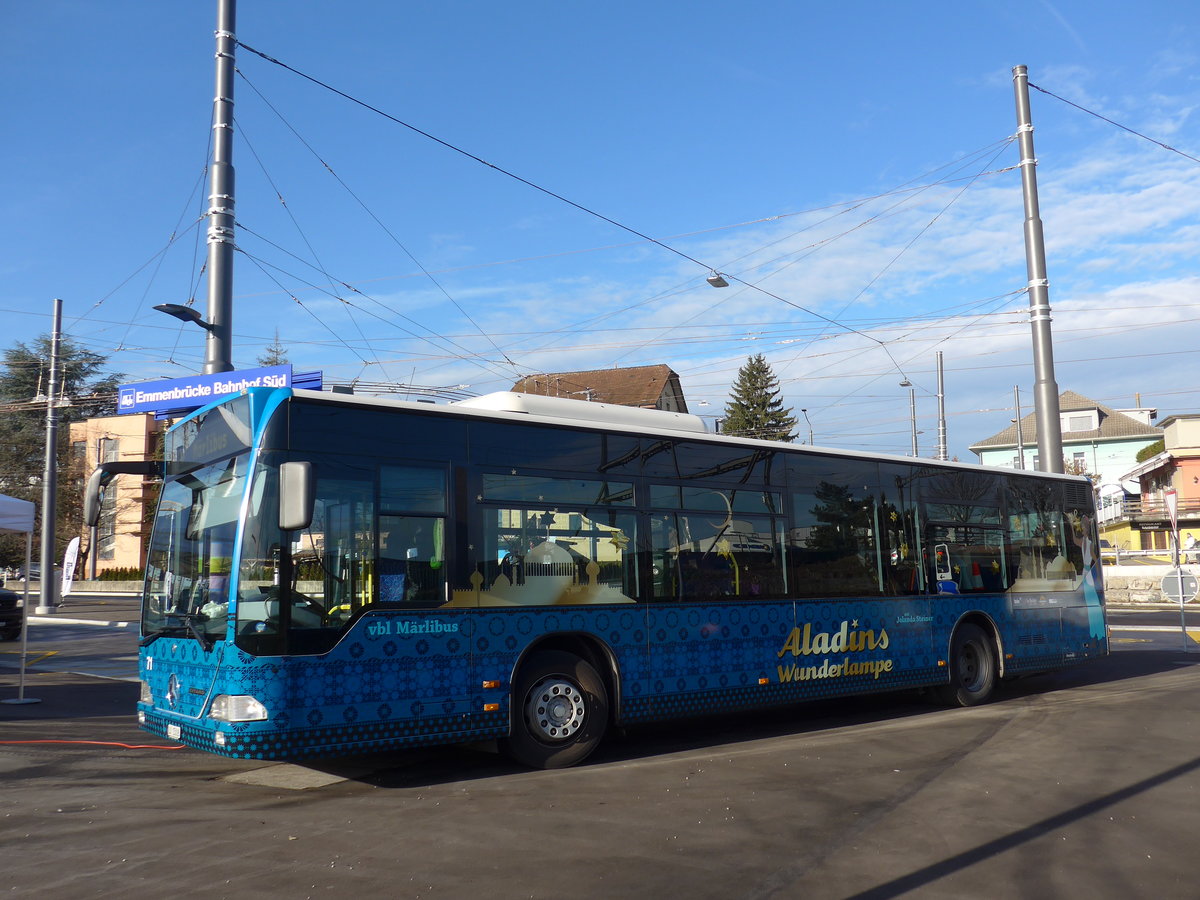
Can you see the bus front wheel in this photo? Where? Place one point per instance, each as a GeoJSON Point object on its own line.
{"type": "Point", "coordinates": [560, 711]}
{"type": "Point", "coordinates": [973, 668]}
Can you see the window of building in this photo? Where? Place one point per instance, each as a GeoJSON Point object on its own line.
{"type": "Point", "coordinates": [1088, 420]}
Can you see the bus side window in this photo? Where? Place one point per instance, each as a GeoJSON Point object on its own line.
{"type": "Point", "coordinates": [553, 557]}
{"type": "Point", "coordinates": [412, 552]}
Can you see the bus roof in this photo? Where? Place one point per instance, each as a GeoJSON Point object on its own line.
{"type": "Point", "coordinates": [584, 410]}
{"type": "Point", "coordinates": [562, 411]}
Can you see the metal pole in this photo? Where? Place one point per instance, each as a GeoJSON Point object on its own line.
{"type": "Point", "coordinates": [1182, 613]}
{"type": "Point", "coordinates": [1045, 390]}
{"type": "Point", "coordinates": [810, 432]}
{"type": "Point", "coordinates": [941, 451]}
{"type": "Point", "coordinates": [94, 531]}
{"type": "Point", "coordinates": [1020, 436]}
{"type": "Point", "coordinates": [47, 598]}
{"type": "Point", "coordinates": [1179, 584]}
{"type": "Point", "coordinates": [912, 415]}
{"type": "Point", "coordinates": [21, 698]}
{"type": "Point", "coordinates": [218, 348]}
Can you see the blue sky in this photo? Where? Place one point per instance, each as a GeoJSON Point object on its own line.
{"type": "Point", "coordinates": [849, 160]}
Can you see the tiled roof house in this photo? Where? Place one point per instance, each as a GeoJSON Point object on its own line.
{"type": "Point", "coordinates": [646, 387]}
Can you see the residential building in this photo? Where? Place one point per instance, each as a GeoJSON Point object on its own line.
{"type": "Point", "coordinates": [647, 387]}
{"type": "Point", "coordinates": [1143, 522]}
{"type": "Point", "coordinates": [1097, 440]}
{"type": "Point", "coordinates": [119, 540]}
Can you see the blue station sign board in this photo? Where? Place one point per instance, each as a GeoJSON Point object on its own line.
{"type": "Point", "coordinates": [194, 391]}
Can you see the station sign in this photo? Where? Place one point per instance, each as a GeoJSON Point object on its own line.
{"type": "Point", "coordinates": [194, 391]}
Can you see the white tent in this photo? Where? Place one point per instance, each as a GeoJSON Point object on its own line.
{"type": "Point", "coordinates": [17, 516]}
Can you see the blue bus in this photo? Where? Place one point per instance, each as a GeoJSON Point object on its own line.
{"type": "Point", "coordinates": [332, 574]}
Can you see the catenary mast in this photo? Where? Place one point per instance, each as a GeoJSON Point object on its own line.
{"type": "Point", "coordinates": [218, 348]}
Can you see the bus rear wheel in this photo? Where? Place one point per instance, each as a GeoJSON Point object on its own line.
{"type": "Point", "coordinates": [973, 668]}
{"type": "Point", "coordinates": [559, 711]}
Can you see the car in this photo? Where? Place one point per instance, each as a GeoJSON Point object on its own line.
{"type": "Point", "coordinates": [35, 572]}
{"type": "Point", "coordinates": [10, 615]}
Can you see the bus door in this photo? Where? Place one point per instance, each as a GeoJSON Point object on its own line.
{"type": "Point", "coordinates": [717, 558]}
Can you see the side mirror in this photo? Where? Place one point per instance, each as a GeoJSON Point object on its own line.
{"type": "Point", "coordinates": [106, 472]}
{"type": "Point", "coordinates": [297, 496]}
{"type": "Point", "coordinates": [92, 498]}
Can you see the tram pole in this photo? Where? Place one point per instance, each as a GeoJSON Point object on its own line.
{"type": "Point", "coordinates": [218, 347]}
{"type": "Point", "coordinates": [48, 598]}
{"type": "Point", "coordinates": [1045, 389]}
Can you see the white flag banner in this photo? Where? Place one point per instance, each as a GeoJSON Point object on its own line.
{"type": "Point", "coordinates": [69, 560]}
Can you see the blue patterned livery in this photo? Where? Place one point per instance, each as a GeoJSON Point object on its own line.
{"type": "Point", "coordinates": [331, 574]}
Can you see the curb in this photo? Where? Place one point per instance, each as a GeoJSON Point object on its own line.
{"type": "Point", "coordinates": [62, 620]}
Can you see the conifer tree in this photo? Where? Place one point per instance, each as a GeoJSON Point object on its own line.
{"type": "Point", "coordinates": [84, 391]}
{"type": "Point", "coordinates": [275, 354]}
{"type": "Point", "coordinates": [754, 408]}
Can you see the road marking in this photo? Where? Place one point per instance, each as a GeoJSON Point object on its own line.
{"type": "Point", "coordinates": [62, 620]}
{"type": "Point", "coordinates": [1193, 633]}
{"type": "Point", "coordinates": [31, 659]}
{"type": "Point", "coordinates": [286, 776]}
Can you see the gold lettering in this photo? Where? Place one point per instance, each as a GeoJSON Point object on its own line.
{"type": "Point", "coordinates": [792, 643]}
{"type": "Point", "coordinates": [841, 639]}
{"type": "Point", "coordinates": [823, 643]}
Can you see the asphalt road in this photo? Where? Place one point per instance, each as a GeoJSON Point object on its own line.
{"type": "Point", "coordinates": [1082, 783]}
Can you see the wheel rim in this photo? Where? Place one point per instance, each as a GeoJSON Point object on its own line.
{"type": "Point", "coordinates": [555, 709]}
{"type": "Point", "coordinates": [972, 666]}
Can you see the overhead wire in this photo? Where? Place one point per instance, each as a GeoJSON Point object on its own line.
{"type": "Point", "coordinates": [176, 234]}
{"type": "Point", "coordinates": [920, 233]}
{"type": "Point", "coordinates": [529, 183]}
{"type": "Point", "coordinates": [1103, 118]}
{"type": "Point", "coordinates": [839, 322]}
{"type": "Point", "coordinates": [317, 264]}
{"type": "Point", "coordinates": [370, 212]}
{"type": "Point", "coordinates": [462, 352]}
{"type": "Point", "coordinates": [431, 336]}
{"type": "Point", "coordinates": [262, 267]}
{"type": "Point", "coordinates": [468, 154]}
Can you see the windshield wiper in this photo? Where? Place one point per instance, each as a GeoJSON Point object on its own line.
{"type": "Point", "coordinates": [189, 623]}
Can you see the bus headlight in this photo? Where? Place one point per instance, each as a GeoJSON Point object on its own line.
{"type": "Point", "coordinates": [237, 708]}
{"type": "Point", "coordinates": [146, 696]}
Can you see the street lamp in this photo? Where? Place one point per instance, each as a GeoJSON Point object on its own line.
{"type": "Point", "coordinates": [912, 411]}
{"type": "Point", "coordinates": [806, 419]}
{"type": "Point", "coordinates": [184, 314]}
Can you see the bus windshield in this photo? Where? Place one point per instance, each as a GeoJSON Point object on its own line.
{"type": "Point", "coordinates": [191, 550]}
{"type": "Point", "coordinates": [190, 558]}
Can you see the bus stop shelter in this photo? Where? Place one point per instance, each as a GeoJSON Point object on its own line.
{"type": "Point", "coordinates": [16, 516]}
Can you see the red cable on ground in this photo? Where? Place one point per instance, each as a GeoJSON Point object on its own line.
{"type": "Point", "coordinates": [105, 744]}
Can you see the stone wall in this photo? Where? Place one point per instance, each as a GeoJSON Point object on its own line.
{"type": "Point", "coordinates": [1137, 585]}
{"type": "Point", "coordinates": [82, 587]}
